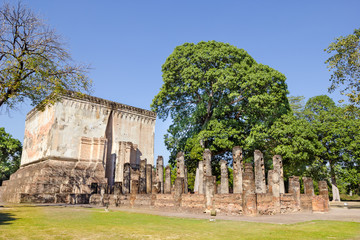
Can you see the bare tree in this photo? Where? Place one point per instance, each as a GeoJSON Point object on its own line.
{"type": "Point", "coordinates": [34, 64]}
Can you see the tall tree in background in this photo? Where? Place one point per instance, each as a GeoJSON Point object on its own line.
{"type": "Point", "coordinates": [345, 64]}
{"type": "Point", "coordinates": [320, 141]}
{"type": "Point", "coordinates": [218, 96]}
{"type": "Point", "coordinates": [10, 154]}
{"type": "Point", "coordinates": [33, 60]}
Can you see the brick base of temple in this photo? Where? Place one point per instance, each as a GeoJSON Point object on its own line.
{"type": "Point", "coordinates": [53, 181]}
{"type": "Point", "coordinates": [230, 204]}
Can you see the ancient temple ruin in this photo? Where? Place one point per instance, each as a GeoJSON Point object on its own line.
{"type": "Point", "coordinates": [251, 195]}
{"type": "Point", "coordinates": [77, 144]}
{"type": "Point", "coordinates": [90, 150]}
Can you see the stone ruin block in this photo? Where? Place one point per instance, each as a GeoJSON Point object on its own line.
{"type": "Point", "coordinates": [127, 178]}
{"type": "Point", "coordinates": [210, 189]}
{"type": "Point", "coordinates": [167, 184]}
{"type": "Point", "coordinates": [274, 183]}
{"type": "Point", "coordinates": [180, 165]}
{"type": "Point", "coordinates": [134, 186]}
{"type": "Point", "coordinates": [160, 172]}
{"type": "Point", "coordinates": [156, 184]}
{"type": "Point", "coordinates": [320, 203]}
{"type": "Point", "coordinates": [224, 186]}
{"type": "Point", "coordinates": [323, 188]}
{"type": "Point", "coordinates": [207, 162]}
{"type": "Point", "coordinates": [238, 169]}
{"type": "Point", "coordinates": [149, 178]}
{"type": "Point", "coordinates": [118, 188]}
{"type": "Point", "coordinates": [308, 186]}
{"type": "Point", "coordinates": [196, 183]}
{"type": "Point", "coordinates": [142, 180]}
{"type": "Point", "coordinates": [259, 166]}
{"type": "Point", "coordinates": [294, 189]}
{"type": "Point", "coordinates": [249, 196]}
{"type": "Point", "coordinates": [278, 167]}
{"type": "Point", "coordinates": [178, 191]}
{"type": "Point", "coordinates": [248, 179]}
{"type": "Point", "coordinates": [201, 177]}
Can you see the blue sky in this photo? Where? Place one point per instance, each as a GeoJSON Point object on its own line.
{"type": "Point", "coordinates": [126, 42]}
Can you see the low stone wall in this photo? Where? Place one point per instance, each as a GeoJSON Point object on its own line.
{"type": "Point", "coordinates": [228, 204]}
{"type": "Point", "coordinates": [267, 204]}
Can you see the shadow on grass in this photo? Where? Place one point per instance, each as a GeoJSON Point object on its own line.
{"type": "Point", "coordinates": [6, 218]}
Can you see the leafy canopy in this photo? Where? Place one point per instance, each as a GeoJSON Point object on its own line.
{"type": "Point", "coordinates": [345, 64]}
{"type": "Point", "coordinates": [10, 154]}
{"type": "Point", "coordinates": [321, 141]}
{"type": "Point", "coordinates": [33, 61]}
{"type": "Point", "coordinates": [218, 96]}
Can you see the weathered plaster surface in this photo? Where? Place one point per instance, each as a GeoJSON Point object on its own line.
{"type": "Point", "coordinates": [57, 131]}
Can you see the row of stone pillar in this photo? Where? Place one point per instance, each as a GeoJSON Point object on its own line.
{"type": "Point", "coordinates": [146, 179]}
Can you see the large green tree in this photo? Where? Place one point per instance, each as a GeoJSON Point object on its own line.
{"type": "Point", "coordinates": [321, 141]}
{"type": "Point", "coordinates": [218, 96]}
{"type": "Point", "coordinates": [10, 153]}
{"type": "Point", "coordinates": [34, 64]}
{"type": "Point", "coordinates": [344, 63]}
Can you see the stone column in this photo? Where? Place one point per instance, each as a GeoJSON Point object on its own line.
{"type": "Point", "coordinates": [186, 187]}
{"type": "Point", "coordinates": [274, 189]}
{"type": "Point", "coordinates": [160, 172]}
{"type": "Point", "coordinates": [134, 186]}
{"type": "Point", "coordinates": [180, 165]}
{"type": "Point", "coordinates": [323, 188]}
{"type": "Point", "coordinates": [148, 178]}
{"type": "Point", "coordinates": [207, 162]}
{"type": "Point", "coordinates": [259, 172]}
{"type": "Point", "coordinates": [196, 183]}
{"type": "Point", "coordinates": [178, 191]}
{"type": "Point", "coordinates": [294, 188]}
{"type": "Point", "coordinates": [167, 185]}
{"type": "Point", "coordinates": [127, 178]}
{"type": "Point", "coordinates": [224, 189]}
{"type": "Point", "coordinates": [119, 175]}
{"type": "Point", "coordinates": [308, 186]}
{"type": "Point", "coordinates": [274, 183]}
{"type": "Point", "coordinates": [135, 177]}
{"type": "Point", "coordinates": [128, 147]}
{"type": "Point", "coordinates": [156, 185]}
{"type": "Point", "coordinates": [118, 188]}
{"type": "Point", "coordinates": [249, 196]}
{"type": "Point", "coordinates": [238, 169]}
{"type": "Point", "coordinates": [210, 189]}
{"type": "Point", "coordinates": [248, 179]}
{"type": "Point", "coordinates": [142, 181]}
{"type": "Point", "coordinates": [278, 166]}
{"type": "Point", "coordinates": [201, 177]}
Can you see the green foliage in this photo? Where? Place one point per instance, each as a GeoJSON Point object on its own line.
{"type": "Point", "coordinates": [217, 97]}
{"type": "Point", "coordinates": [345, 64]}
{"type": "Point", "coordinates": [297, 104]}
{"type": "Point", "coordinates": [10, 154]}
{"type": "Point", "coordinates": [321, 141]}
{"type": "Point", "coordinates": [34, 64]}
{"type": "Point", "coordinates": [296, 141]}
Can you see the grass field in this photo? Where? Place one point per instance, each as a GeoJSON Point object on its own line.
{"type": "Point", "coordinates": [34, 222]}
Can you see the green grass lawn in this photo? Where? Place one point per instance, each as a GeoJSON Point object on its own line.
{"type": "Point", "coordinates": [31, 222]}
